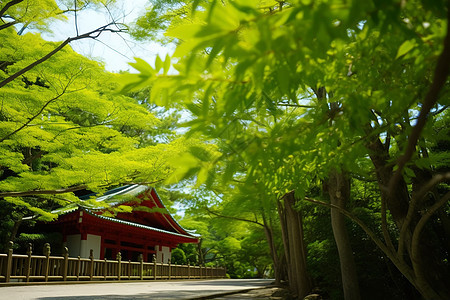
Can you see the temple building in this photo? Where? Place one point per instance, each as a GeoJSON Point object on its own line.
{"type": "Point", "coordinates": [134, 221]}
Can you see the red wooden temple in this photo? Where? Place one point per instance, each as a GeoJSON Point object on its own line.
{"type": "Point", "coordinates": [149, 228]}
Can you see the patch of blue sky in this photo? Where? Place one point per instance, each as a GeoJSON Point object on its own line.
{"type": "Point", "coordinates": [113, 49]}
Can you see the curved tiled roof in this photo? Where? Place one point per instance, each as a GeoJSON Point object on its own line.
{"type": "Point", "coordinates": [121, 195]}
{"type": "Point", "coordinates": [137, 225]}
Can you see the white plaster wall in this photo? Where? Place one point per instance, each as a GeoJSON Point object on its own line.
{"type": "Point", "coordinates": [93, 242]}
{"type": "Point", "coordinates": [162, 255]}
{"type": "Point", "coordinates": [73, 244]}
{"type": "Point", "coordinates": [78, 247]}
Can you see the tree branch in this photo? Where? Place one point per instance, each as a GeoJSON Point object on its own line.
{"type": "Point", "coordinates": [8, 5]}
{"type": "Point", "coordinates": [440, 76]}
{"type": "Point", "coordinates": [9, 24]}
{"type": "Point", "coordinates": [76, 17]}
{"type": "Point", "coordinates": [364, 227]}
{"type": "Point", "coordinates": [44, 192]}
{"type": "Point", "coordinates": [92, 34]}
{"type": "Point", "coordinates": [33, 117]}
{"type": "Point", "coordinates": [411, 210]}
{"type": "Point", "coordinates": [415, 251]}
{"type": "Point", "coordinates": [232, 218]}
{"type": "Point", "coordinates": [296, 105]}
{"type": "Point", "coordinates": [404, 268]}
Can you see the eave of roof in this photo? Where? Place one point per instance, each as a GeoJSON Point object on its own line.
{"type": "Point", "coordinates": [126, 193]}
{"type": "Point", "coordinates": [137, 225]}
{"type": "Point", "coordinates": [123, 193]}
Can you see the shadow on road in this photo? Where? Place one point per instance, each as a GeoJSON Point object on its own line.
{"type": "Point", "coordinates": [179, 294]}
{"type": "Point", "coordinates": [231, 282]}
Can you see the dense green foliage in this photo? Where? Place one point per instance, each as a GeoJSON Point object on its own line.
{"type": "Point", "coordinates": [292, 91]}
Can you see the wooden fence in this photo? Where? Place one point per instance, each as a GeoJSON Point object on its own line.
{"type": "Point", "coordinates": [35, 268]}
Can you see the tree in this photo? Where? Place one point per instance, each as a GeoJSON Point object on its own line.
{"type": "Point", "coordinates": [247, 71]}
{"type": "Point", "coordinates": [64, 128]}
{"type": "Point", "coordinates": [228, 241]}
{"type": "Point", "coordinates": [33, 14]}
{"type": "Point", "coordinates": [178, 257]}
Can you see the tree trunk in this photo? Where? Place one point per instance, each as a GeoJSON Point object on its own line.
{"type": "Point", "coordinates": [273, 253]}
{"type": "Point", "coordinates": [13, 233]}
{"type": "Point", "coordinates": [201, 256]}
{"type": "Point", "coordinates": [397, 200]}
{"type": "Point", "coordinates": [15, 230]}
{"type": "Point", "coordinates": [435, 240]}
{"type": "Point", "coordinates": [339, 191]}
{"type": "Point", "coordinates": [295, 249]}
{"type": "Point", "coordinates": [338, 186]}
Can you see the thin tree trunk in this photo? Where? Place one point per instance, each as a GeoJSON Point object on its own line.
{"type": "Point", "coordinates": [201, 259]}
{"type": "Point", "coordinates": [339, 190]}
{"type": "Point", "coordinates": [295, 248]}
{"type": "Point", "coordinates": [283, 222]}
{"type": "Point", "coordinates": [273, 253]}
{"type": "Point", "coordinates": [15, 229]}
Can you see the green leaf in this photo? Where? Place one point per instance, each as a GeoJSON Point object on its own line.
{"type": "Point", "coordinates": [132, 82]}
{"type": "Point", "coordinates": [202, 176]}
{"type": "Point", "coordinates": [405, 48]}
{"type": "Point", "coordinates": [166, 64]}
{"type": "Point", "coordinates": [185, 164]}
{"type": "Point", "coordinates": [219, 44]}
{"type": "Point", "coordinates": [283, 77]}
{"type": "Point", "coordinates": [225, 17]}
{"type": "Point", "coordinates": [143, 67]}
{"type": "Point", "coordinates": [158, 63]}
{"type": "Point", "coordinates": [184, 32]}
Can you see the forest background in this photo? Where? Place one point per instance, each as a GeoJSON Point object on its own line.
{"type": "Point", "coordinates": [314, 136]}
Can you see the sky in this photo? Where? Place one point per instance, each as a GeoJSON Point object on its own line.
{"type": "Point", "coordinates": [112, 49]}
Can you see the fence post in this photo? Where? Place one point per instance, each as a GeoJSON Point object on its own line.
{"type": "Point", "coordinates": [91, 264]}
{"type": "Point", "coordinates": [189, 269]}
{"type": "Point", "coordinates": [119, 261]}
{"type": "Point", "coordinates": [78, 267]}
{"type": "Point", "coordinates": [47, 260]}
{"type": "Point", "coordinates": [154, 266]}
{"type": "Point", "coordinates": [141, 267]}
{"type": "Point", "coordinates": [9, 262]}
{"type": "Point", "coordinates": [66, 263]}
{"type": "Point", "coordinates": [168, 261]}
{"type": "Point", "coordinates": [129, 269]}
{"type": "Point", "coordinates": [29, 252]}
{"type": "Point", "coordinates": [105, 268]}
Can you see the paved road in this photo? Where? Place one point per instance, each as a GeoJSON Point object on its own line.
{"type": "Point", "coordinates": [193, 289]}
